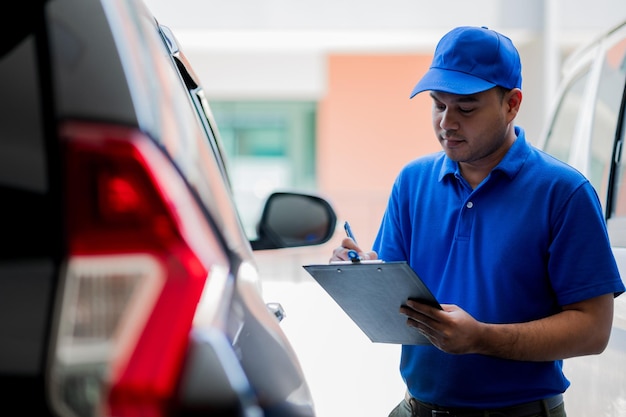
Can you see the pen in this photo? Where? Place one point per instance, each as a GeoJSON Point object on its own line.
{"type": "Point", "coordinates": [352, 254]}
{"type": "Point", "coordinates": [346, 226]}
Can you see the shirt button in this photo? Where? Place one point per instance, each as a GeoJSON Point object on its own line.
{"type": "Point", "coordinates": [469, 204]}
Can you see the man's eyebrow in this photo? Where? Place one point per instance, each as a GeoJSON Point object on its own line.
{"type": "Point", "coordinates": [459, 98]}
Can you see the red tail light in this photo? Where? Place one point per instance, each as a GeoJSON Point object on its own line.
{"type": "Point", "coordinates": [140, 255]}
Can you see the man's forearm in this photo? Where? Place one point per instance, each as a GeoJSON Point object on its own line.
{"type": "Point", "coordinates": [580, 329]}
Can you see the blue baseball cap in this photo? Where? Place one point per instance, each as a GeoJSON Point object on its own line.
{"type": "Point", "coordinates": [469, 60]}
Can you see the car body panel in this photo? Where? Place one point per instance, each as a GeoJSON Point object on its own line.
{"type": "Point", "coordinates": [586, 128]}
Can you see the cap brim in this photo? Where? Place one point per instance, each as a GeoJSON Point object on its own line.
{"type": "Point", "coordinates": [452, 82]}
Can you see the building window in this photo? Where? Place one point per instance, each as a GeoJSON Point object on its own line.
{"type": "Point", "coordinates": [269, 146]}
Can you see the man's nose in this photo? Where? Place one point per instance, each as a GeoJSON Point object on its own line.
{"type": "Point", "coordinates": [448, 121]}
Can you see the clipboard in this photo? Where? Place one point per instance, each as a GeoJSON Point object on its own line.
{"type": "Point", "coordinates": [371, 293]}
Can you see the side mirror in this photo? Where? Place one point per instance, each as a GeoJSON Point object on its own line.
{"type": "Point", "coordinates": [293, 220]}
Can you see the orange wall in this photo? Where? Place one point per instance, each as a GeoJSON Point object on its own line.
{"type": "Point", "coordinates": [367, 130]}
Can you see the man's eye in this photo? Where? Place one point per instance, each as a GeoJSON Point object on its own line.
{"type": "Point", "coordinates": [466, 111]}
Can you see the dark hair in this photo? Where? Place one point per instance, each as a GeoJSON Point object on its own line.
{"type": "Point", "coordinates": [502, 91]}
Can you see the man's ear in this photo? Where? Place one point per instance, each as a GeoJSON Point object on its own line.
{"type": "Point", "coordinates": [514, 100]}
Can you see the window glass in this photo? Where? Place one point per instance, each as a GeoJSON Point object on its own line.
{"type": "Point", "coordinates": [559, 141]}
{"type": "Point", "coordinates": [605, 117]}
{"type": "Point", "coordinates": [617, 219]}
{"type": "Point", "coordinates": [269, 146]}
{"type": "Point", "coordinates": [187, 136]}
{"type": "Point", "coordinates": [22, 153]}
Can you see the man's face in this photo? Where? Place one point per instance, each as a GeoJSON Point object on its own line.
{"type": "Point", "coordinates": [475, 127]}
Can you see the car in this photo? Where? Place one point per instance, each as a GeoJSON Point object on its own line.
{"type": "Point", "coordinates": [586, 128]}
{"type": "Point", "coordinates": [128, 286]}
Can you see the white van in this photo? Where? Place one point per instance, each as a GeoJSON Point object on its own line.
{"type": "Point", "coordinates": [587, 129]}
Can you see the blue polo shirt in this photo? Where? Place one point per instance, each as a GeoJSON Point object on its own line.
{"type": "Point", "coordinates": [530, 238]}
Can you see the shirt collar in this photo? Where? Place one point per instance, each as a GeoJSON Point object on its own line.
{"type": "Point", "coordinates": [509, 165]}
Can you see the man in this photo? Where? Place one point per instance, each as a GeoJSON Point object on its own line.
{"type": "Point", "coordinates": [511, 241]}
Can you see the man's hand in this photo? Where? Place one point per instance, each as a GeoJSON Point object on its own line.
{"type": "Point", "coordinates": [452, 329]}
{"type": "Point", "coordinates": [347, 244]}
